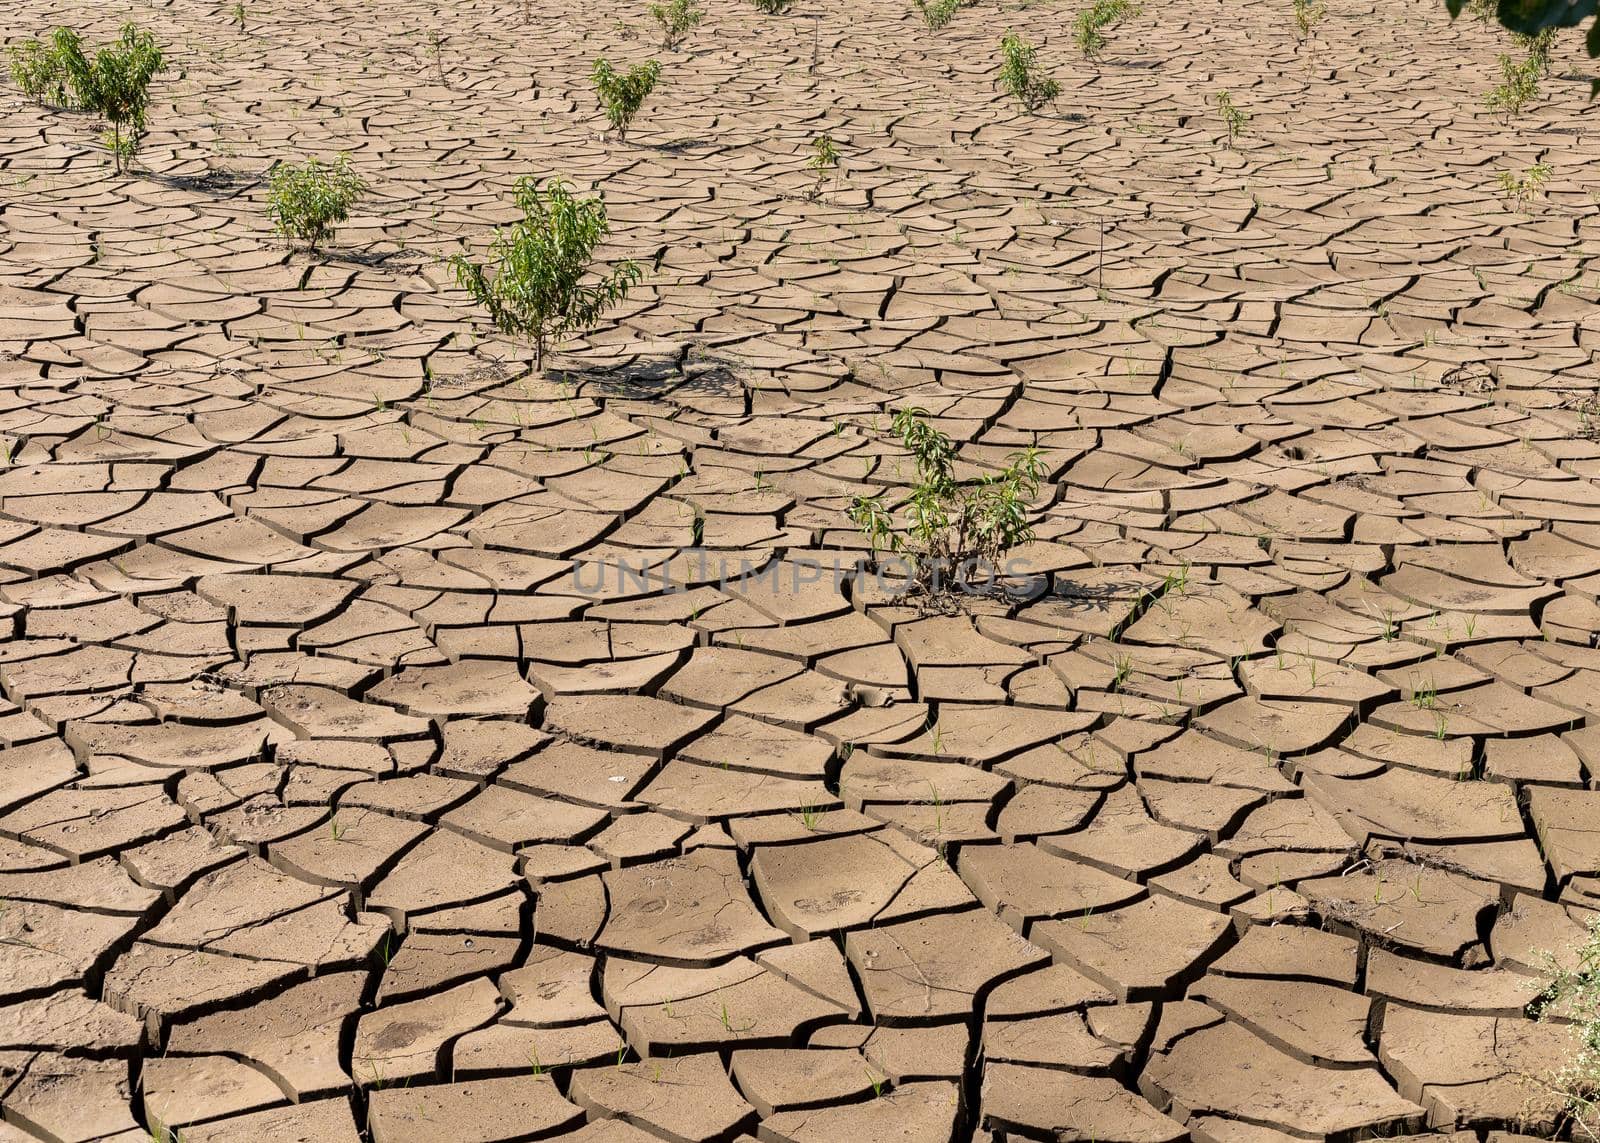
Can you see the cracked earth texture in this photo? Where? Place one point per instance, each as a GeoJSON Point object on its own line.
{"type": "Point", "coordinates": [335, 804]}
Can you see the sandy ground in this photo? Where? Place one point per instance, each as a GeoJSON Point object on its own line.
{"type": "Point", "coordinates": [335, 801]}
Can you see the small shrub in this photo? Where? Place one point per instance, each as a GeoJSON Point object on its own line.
{"type": "Point", "coordinates": [1090, 26]}
{"type": "Point", "coordinates": [309, 199]}
{"type": "Point", "coordinates": [677, 19]}
{"type": "Point", "coordinates": [1518, 86]}
{"type": "Point", "coordinates": [52, 71]}
{"type": "Point", "coordinates": [952, 525]}
{"type": "Point", "coordinates": [236, 13]}
{"type": "Point", "coordinates": [537, 291]}
{"type": "Point", "coordinates": [1233, 120]}
{"type": "Point", "coordinates": [29, 64]}
{"type": "Point", "coordinates": [1574, 994]}
{"type": "Point", "coordinates": [824, 158]}
{"type": "Point", "coordinates": [116, 86]}
{"type": "Point", "coordinates": [1588, 409]}
{"type": "Point", "coordinates": [1087, 35]}
{"type": "Point", "coordinates": [1307, 15]}
{"type": "Point", "coordinates": [622, 94]}
{"type": "Point", "coordinates": [1525, 186]}
{"type": "Point", "coordinates": [433, 42]}
{"type": "Point", "coordinates": [1538, 47]}
{"type": "Point", "coordinates": [772, 7]}
{"type": "Point", "coordinates": [937, 13]}
{"type": "Point", "coordinates": [1018, 76]}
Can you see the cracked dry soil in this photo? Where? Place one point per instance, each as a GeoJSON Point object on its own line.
{"type": "Point", "coordinates": [336, 804]}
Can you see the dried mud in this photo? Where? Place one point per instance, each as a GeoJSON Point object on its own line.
{"type": "Point", "coordinates": [337, 803]}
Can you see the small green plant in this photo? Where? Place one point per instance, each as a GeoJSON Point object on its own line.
{"type": "Point", "coordinates": [52, 71]}
{"type": "Point", "coordinates": [159, 1132]}
{"type": "Point", "coordinates": [236, 14]}
{"type": "Point", "coordinates": [122, 75]}
{"type": "Point", "coordinates": [1087, 35]}
{"type": "Point", "coordinates": [308, 200]}
{"type": "Point", "coordinates": [728, 1024]}
{"type": "Point", "coordinates": [621, 94]}
{"type": "Point", "coordinates": [1307, 15]}
{"type": "Point", "coordinates": [1588, 410]}
{"type": "Point", "coordinates": [1233, 120]}
{"type": "Point", "coordinates": [937, 13]}
{"type": "Point", "coordinates": [537, 290]}
{"type": "Point", "coordinates": [1518, 86]}
{"type": "Point", "coordinates": [115, 85]}
{"type": "Point", "coordinates": [772, 7]}
{"type": "Point", "coordinates": [1525, 186]}
{"type": "Point", "coordinates": [1019, 75]}
{"type": "Point", "coordinates": [876, 1081]}
{"type": "Point", "coordinates": [824, 158]}
{"type": "Point", "coordinates": [953, 526]}
{"type": "Point", "coordinates": [677, 18]}
{"type": "Point", "coordinates": [1538, 47]}
{"type": "Point", "coordinates": [1573, 994]}
{"type": "Point", "coordinates": [433, 41]}
{"type": "Point", "coordinates": [1090, 26]}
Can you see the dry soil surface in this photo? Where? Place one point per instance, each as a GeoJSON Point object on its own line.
{"type": "Point", "coordinates": [337, 802]}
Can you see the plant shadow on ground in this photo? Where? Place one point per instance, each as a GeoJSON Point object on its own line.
{"type": "Point", "coordinates": [212, 182]}
{"type": "Point", "coordinates": [682, 146]}
{"type": "Point", "coordinates": [378, 259]}
{"type": "Point", "coordinates": [1021, 590]}
{"type": "Point", "coordinates": [1098, 597]}
{"type": "Point", "coordinates": [653, 377]}
{"type": "Point", "coordinates": [1060, 116]}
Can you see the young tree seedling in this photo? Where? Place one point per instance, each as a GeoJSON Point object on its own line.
{"type": "Point", "coordinates": [937, 13]}
{"type": "Point", "coordinates": [536, 288]}
{"type": "Point", "coordinates": [1538, 46]}
{"type": "Point", "coordinates": [308, 200]}
{"type": "Point", "coordinates": [1573, 995]}
{"type": "Point", "coordinates": [1090, 26]}
{"type": "Point", "coordinates": [952, 525]}
{"type": "Point", "coordinates": [677, 19]}
{"type": "Point", "coordinates": [621, 94]}
{"type": "Point", "coordinates": [1018, 74]}
{"type": "Point", "coordinates": [116, 86]}
{"type": "Point", "coordinates": [1518, 86]}
{"type": "Point", "coordinates": [50, 72]}
{"type": "Point", "coordinates": [1525, 186]}
{"type": "Point", "coordinates": [824, 158]}
{"type": "Point", "coordinates": [1233, 120]}
{"type": "Point", "coordinates": [433, 47]}
{"type": "Point", "coordinates": [1307, 15]}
